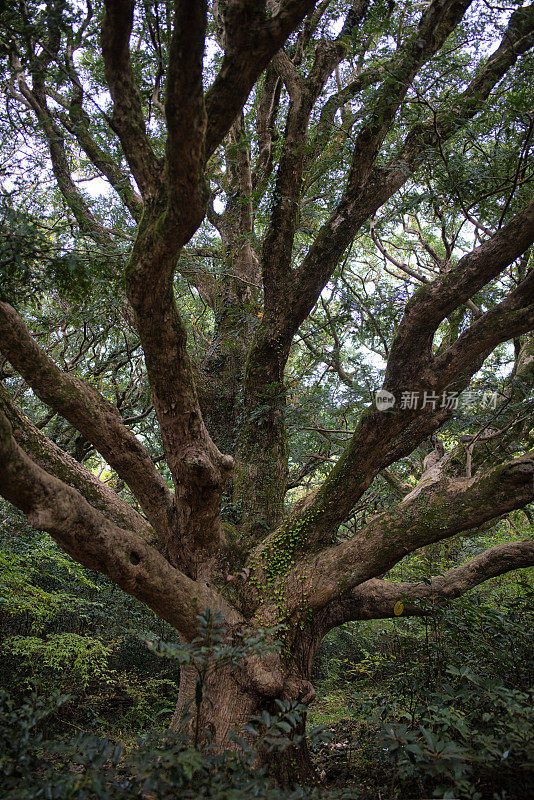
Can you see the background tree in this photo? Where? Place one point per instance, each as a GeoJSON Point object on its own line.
{"type": "Point", "coordinates": [289, 186]}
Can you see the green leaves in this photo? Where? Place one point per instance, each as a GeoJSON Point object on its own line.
{"type": "Point", "coordinates": [284, 729]}
{"type": "Point", "coordinates": [22, 592]}
{"type": "Point", "coordinates": [453, 743]}
{"type": "Point", "coordinates": [21, 740]}
{"type": "Point", "coordinates": [80, 657]}
{"type": "Point", "coordinates": [34, 262]}
{"type": "Point", "coordinates": [213, 647]}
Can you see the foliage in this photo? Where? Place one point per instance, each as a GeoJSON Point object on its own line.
{"type": "Point", "coordinates": [439, 707]}
{"type": "Point", "coordinates": [35, 262]}
{"type": "Point", "coordinates": [473, 732]}
{"type": "Point", "coordinates": [273, 733]}
{"type": "Point", "coordinates": [65, 629]}
{"type": "Point", "coordinates": [37, 579]}
{"type": "Point", "coordinates": [102, 771]}
{"type": "Point", "coordinates": [68, 653]}
{"type": "Point", "coordinates": [37, 766]}
{"type": "Point", "coordinates": [22, 741]}
{"type": "Point", "coordinates": [19, 596]}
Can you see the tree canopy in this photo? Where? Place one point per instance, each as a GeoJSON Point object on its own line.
{"type": "Point", "coordinates": [224, 228]}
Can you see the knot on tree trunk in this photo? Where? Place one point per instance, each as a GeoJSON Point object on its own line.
{"type": "Point", "coordinates": [301, 690]}
{"type": "Point", "coordinates": [521, 469]}
{"type": "Point", "coordinates": [266, 674]}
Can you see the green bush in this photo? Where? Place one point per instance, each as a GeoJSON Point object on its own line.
{"type": "Point", "coordinates": [96, 768]}
{"type": "Point", "coordinates": [91, 768]}
{"type": "Point", "coordinates": [67, 654]}
{"type": "Point", "coordinates": [435, 705]}
{"type": "Point", "coordinates": [24, 765]}
{"type": "Point", "coordinates": [472, 737]}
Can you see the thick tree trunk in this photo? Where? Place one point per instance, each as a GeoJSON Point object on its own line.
{"type": "Point", "coordinates": [262, 455]}
{"type": "Point", "coordinates": [227, 704]}
{"type": "Point", "coordinates": [231, 697]}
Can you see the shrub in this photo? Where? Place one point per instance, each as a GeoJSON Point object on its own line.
{"type": "Point", "coordinates": [473, 738]}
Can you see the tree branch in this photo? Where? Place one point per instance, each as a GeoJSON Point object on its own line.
{"type": "Point", "coordinates": [278, 241]}
{"type": "Point", "coordinates": [380, 439]}
{"type": "Point", "coordinates": [36, 100]}
{"type": "Point", "coordinates": [355, 207]}
{"type": "Point", "coordinates": [431, 304]}
{"type": "Point", "coordinates": [437, 512]}
{"type": "Point", "coordinates": [77, 123]}
{"type": "Point", "coordinates": [375, 598]}
{"type": "Point", "coordinates": [97, 543]}
{"type": "Point", "coordinates": [251, 40]}
{"type": "Point", "coordinates": [94, 416]}
{"type": "Point", "coordinates": [128, 119]}
{"type": "Point", "coordinates": [513, 316]}
{"type": "Point", "coordinates": [51, 458]}
{"type": "Point", "coordinates": [438, 20]}
{"type": "Point", "coordinates": [199, 470]}
{"type": "Point", "coordinates": [265, 127]}
{"type": "Point", "coordinates": [185, 114]}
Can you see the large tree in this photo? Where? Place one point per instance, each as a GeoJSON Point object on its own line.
{"type": "Point", "coordinates": [288, 183]}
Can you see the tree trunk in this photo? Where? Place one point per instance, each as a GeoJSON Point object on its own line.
{"type": "Point", "coordinates": [262, 454]}
{"type": "Point", "coordinates": [226, 705]}
{"type": "Point", "coordinates": [231, 697]}
{"type": "Point", "coordinates": [295, 764]}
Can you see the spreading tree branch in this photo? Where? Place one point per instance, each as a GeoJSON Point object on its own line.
{"type": "Point", "coordinates": [54, 460]}
{"type": "Point", "coordinates": [90, 413]}
{"type": "Point", "coordinates": [412, 349]}
{"type": "Point", "coordinates": [376, 599]}
{"type": "Point", "coordinates": [437, 512]}
{"type": "Point", "coordinates": [97, 543]}
{"type": "Point", "coordinates": [35, 99]}
{"type": "Point", "coordinates": [380, 439]}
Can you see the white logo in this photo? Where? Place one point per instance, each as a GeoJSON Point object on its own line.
{"type": "Point", "coordinates": [384, 400]}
